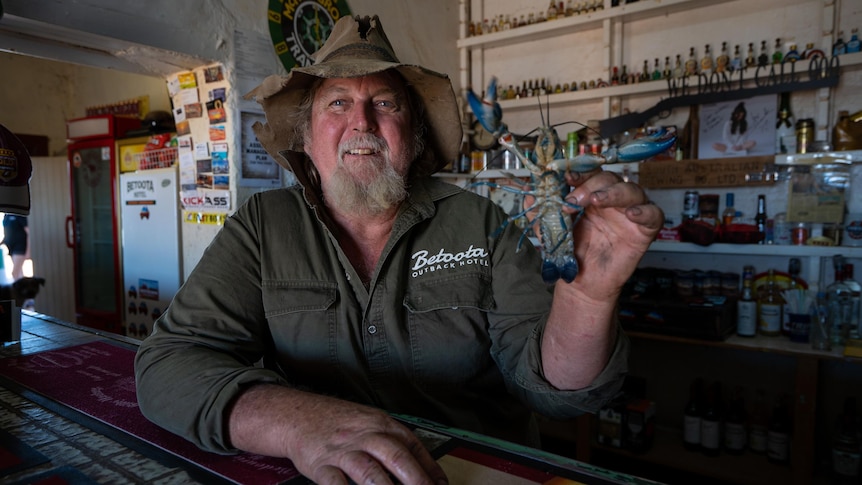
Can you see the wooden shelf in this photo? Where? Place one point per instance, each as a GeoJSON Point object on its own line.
{"type": "Point", "coordinates": [756, 249]}
{"type": "Point", "coordinates": [551, 28]}
{"type": "Point", "coordinates": [776, 345]}
{"type": "Point", "coordinates": [667, 450]}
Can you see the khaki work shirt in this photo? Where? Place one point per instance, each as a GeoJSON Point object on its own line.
{"type": "Point", "coordinates": [449, 328]}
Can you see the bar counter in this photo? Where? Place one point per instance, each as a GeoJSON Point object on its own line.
{"type": "Point", "coordinates": [48, 439]}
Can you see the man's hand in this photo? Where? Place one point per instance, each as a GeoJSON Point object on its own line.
{"type": "Point", "coordinates": [330, 440]}
{"type": "Point", "coordinates": [617, 227]}
{"type": "Point", "coordinates": [610, 238]}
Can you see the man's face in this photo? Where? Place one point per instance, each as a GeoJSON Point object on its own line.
{"type": "Point", "coordinates": [360, 127]}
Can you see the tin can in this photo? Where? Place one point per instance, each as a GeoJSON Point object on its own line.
{"type": "Point", "coordinates": [804, 135]}
{"type": "Point", "coordinates": [799, 234]}
{"type": "Point", "coordinates": [691, 205]}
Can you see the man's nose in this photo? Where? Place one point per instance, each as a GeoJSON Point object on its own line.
{"type": "Point", "coordinates": [363, 118]}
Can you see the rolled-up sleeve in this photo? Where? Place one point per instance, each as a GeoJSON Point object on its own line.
{"type": "Point", "coordinates": [203, 349]}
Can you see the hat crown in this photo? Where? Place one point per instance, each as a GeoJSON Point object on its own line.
{"type": "Point", "coordinates": [357, 38]}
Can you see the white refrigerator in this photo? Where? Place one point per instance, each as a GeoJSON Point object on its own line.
{"type": "Point", "coordinates": [151, 246]}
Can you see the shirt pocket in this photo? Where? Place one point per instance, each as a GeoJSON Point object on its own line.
{"type": "Point", "coordinates": [301, 316]}
{"type": "Point", "coordinates": [448, 324]}
{"type": "Point", "coordinates": [471, 290]}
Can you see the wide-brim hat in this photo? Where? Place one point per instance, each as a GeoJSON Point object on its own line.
{"type": "Point", "coordinates": [357, 47]}
{"type": "Point", "coordinates": [15, 171]}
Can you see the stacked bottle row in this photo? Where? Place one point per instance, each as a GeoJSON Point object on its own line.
{"type": "Point", "coordinates": [693, 64]}
{"type": "Point", "coordinates": [713, 424]}
{"type": "Point", "coordinates": [788, 308]}
{"type": "Point", "coordinates": [556, 10]}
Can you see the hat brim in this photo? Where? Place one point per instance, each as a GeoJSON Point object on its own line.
{"type": "Point", "coordinates": [280, 95]}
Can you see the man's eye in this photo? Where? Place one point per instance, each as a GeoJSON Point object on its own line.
{"type": "Point", "coordinates": [338, 102]}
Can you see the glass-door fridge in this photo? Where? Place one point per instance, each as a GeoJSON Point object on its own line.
{"type": "Point", "coordinates": [92, 230]}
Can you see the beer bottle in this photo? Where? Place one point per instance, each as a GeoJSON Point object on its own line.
{"type": "Point", "coordinates": [746, 306]}
{"type": "Point", "coordinates": [760, 218]}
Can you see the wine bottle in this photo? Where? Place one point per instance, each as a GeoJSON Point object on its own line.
{"type": "Point", "coordinates": [778, 434]}
{"type": "Point", "coordinates": [736, 424]}
{"type": "Point", "coordinates": [711, 421]}
{"type": "Point", "coordinates": [757, 432]}
{"type": "Point", "coordinates": [692, 416]}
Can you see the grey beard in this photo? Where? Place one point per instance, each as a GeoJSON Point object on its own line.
{"type": "Point", "coordinates": [346, 194]}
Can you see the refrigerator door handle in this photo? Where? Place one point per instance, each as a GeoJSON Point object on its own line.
{"type": "Point", "coordinates": [70, 232]}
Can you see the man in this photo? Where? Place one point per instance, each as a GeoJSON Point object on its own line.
{"type": "Point", "coordinates": [374, 288]}
{"type": "Point", "coordinates": [17, 240]}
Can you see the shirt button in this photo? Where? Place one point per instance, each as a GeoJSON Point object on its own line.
{"type": "Point", "coordinates": [372, 329]}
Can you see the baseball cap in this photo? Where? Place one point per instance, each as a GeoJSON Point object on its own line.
{"type": "Point", "coordinates": [15, 171]}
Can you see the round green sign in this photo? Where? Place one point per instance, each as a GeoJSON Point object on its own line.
{"type": "Point", "coordinates": [299, 28]}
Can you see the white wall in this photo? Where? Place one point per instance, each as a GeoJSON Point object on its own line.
{"type": "Point", "coordinates": [43, 94]}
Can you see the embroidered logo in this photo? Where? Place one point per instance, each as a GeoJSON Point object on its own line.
{"type": "Point", "coordinates": [425, 262]}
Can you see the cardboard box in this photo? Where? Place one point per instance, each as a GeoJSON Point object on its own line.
{"type": "Point", "coordinates": [639, 427]}
{"type": "Point", "coordinates": [610, 429]}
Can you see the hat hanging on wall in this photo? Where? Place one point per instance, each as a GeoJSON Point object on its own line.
{"type": "Point", "coordinates": [15, 171]}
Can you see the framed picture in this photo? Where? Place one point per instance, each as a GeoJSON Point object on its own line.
{"type": "Point", "coordinates": [739, 128]}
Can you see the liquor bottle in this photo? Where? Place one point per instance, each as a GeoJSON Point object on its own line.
{"type": "Point", "coordinates": [763, 58]}
{"type": "Point", "coordinates": [777, 55]}
{"type": "Point", "coordinates": [736, 63]}
{"type": "Point", "coordinates": [552, 10]}
{"type": "Point", "coordinates": [855, 301]}
{"type": "Point", "coordinates": [853, 45]}
{"type": "Point", "coordinates": [645, 75]}
{"type": "Point", "coordinates": [615, 77]}
{"type": "Point", "coordinates": [792, 54]}
{"type": "Point", "coordinates": [778, 434]}
{"type": "Point", "coordinates": [678, 70]}
{"type": "Point", "coordinates": [846, 447]}
{"type": "Point", "coordinates": [711, 421]}
{"type": "Point", "coordinates": [838, 302]}
{"type": "Point", "coordinates": [736, 424]}
{"type": "Point", "coordinates": [722, 62]}
{"type": "Point", "coordinates": [794, 268]}
{"type": "Point", "coordinates": [706, 61]}
{"type": "Point", "coordinates": [729, 213]}
{"type": "Point", "coordinates": [624, 76]}
{"type": "Point", "coordinates": [746, 305]}
{"type": "Point", "coordinates": [839, 47]}
{"type": "Point", "coordinates": [656, 72]}
{"type": "Point", "coordinates": [757, 432]}
{"type": "Point", "coordinates": [692, 416]}
{"type": "Point", "coordinates": [691, 63]}
{"type": "Point", "coordinates": [667, 72]}
{"type": "Point", "coordinates": [760, 218]}
{"type": "Point", "coordinates": [750, 60]}
{"type": "Point", "coordinates": [785, 131]}
{"type": "Point", "coordinates": [770, 306]}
